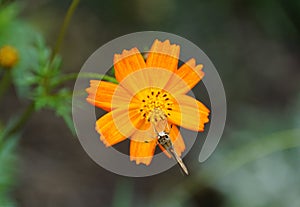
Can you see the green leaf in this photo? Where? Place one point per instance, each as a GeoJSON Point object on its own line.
{"type": "Point", "coordinates": [60, 103]}
{"type": "Point", "coordinates": [69, 122]}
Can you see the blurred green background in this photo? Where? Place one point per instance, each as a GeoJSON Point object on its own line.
{"type": "Point", "coordinates": [254, 45]}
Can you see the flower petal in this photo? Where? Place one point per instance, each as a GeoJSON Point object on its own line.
{"type": "Point", "coordinates": [189, 113]}
{"type": "Point", "coordinates": [117, 125]}
{"type": "Point", "coordinates": [146, 78]}
{"type": "Point", "coordinates": [128, 62]}
{"type": "Point", "coordinates": [185, 78]}
{"type": "Point", "coordinates": [145, 133]}
{"type": "Point", "coordinates": [100, 94]}
{"type": "Point", "coordinates": [163, 55]}
{"type": "Point", "coordinates": [142, 152]}
{"type": "Point", "coordinates": [177, 141]}
{"type": "Point", "coordinates": [107, 95]}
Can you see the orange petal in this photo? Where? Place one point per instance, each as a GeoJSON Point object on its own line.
{"type": "Point", "coordinates": [117, 125]}
{"type": "Point", "coordinates": [163, 55]}
{"type": "Point", "coordinates": [142, 152]}
{"type": "Point", "coordinates": [185, 78]}
{"type": "Point", "coordinates": [146, 78]}
{"type": "Point", "coordinates": [101, 94]}
{"type": "Point", "coordinates": [128, 62]}
{"type": "Point", "coordinates": [189, 113]}
{"type": "Point", "coordinates": [177, 141]}
{"type": "Point", "coordinates": [145, 133]}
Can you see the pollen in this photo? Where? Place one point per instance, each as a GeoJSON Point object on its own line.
{"type": "Point", "coordinates": [8, 56]}
{"type": "Point", "coordinates": [155, 105]}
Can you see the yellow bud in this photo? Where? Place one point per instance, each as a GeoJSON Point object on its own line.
{"type": "Point", "coordinates": [8, 56]}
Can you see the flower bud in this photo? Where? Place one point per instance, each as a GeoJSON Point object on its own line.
{"type": "Point", "coordinates": [8, 56]}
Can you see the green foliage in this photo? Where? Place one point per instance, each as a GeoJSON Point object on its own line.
{"type": "Point", "coordinates": [60, 102]}
{"type": "Point", "coordinates": [8, 13]}
{"type": "Point", "coordinates": [12, 32]}
{"type": "Point", "coordinates": [111, 72]}
{"type": "Point", "coordinates": [45, 82]}
{"type": "Point", "coordinates": [38, 74]}
{"type": "Point", "coordinates": [37, 77]}
{"type": "Point", "coordinates": [8, 161]}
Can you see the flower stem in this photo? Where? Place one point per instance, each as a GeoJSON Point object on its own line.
{"type": "Point", "coordinates": [72, 76]}
{"type": "Point", "coordinates": [22, 119]}
{"type": "Point", "coordinates": [5, 82]}
{"type": "Point", "coordinates": [64, 27]}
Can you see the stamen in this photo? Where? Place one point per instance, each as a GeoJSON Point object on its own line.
{"type": "Point", "coordinates": [155, 107]}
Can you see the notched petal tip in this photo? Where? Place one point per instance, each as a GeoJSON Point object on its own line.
{"type": "Point", "coordinates": [141, 160]}
{"type": "Point", "coordinates": [126, 53]}
{"type": "Point", "coordinates": [128, 62]}
{"type": "Point", "coordinates": [100, 94]}
{"type": "Point", "coordinates": [108, 130]}
{"type": "Point", "coordinates": [90, 100]}
{"type": "Point", "coordinates": [189, 113]}
{"type": "Point", "coordinates": [196, 68]}
{"type": "Point", "coordinates": [107, 144]}
{"type": "Point", "coordinates": [94, 82]}
{"type": "Point", "coordinates": [102, 138]}
{"type": "Point", "coordinates": [191, 62]}
{"type": "Point", "coordinates": [167, 42]}
{"type": "Point", "coordinates": [163, 55]}
{"type": "Point", "coordinates": [141, 152]}
{"type": "Point", "coordinates": [117, 58]}
{"type": "Point", "coordinates": [164, 47]}
{"type": "Point", "coordinates": [187, 76]}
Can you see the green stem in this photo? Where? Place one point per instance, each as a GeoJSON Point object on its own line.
{"type": "Point", "coordinates": [5, 82]}
{"type": "Point", "coordinates": [72, 76]}
{"type": "Point", "coordinates": [22, 119]}
{"type": "Point", "coordinates": [64, 27]}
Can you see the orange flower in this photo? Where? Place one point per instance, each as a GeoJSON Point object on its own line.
{"type": "Point", "coordinates": [149, 92]}
{"type": "Point", "coordinates": [8, 56]}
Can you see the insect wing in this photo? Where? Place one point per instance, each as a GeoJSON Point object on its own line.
{"type": "Point", "coordinates": [179, 160]}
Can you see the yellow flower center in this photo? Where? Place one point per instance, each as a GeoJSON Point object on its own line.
{"type": "Point", "coordinates": [156, 104]}
{"type": "Point", "coordinates": [8, 57]}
